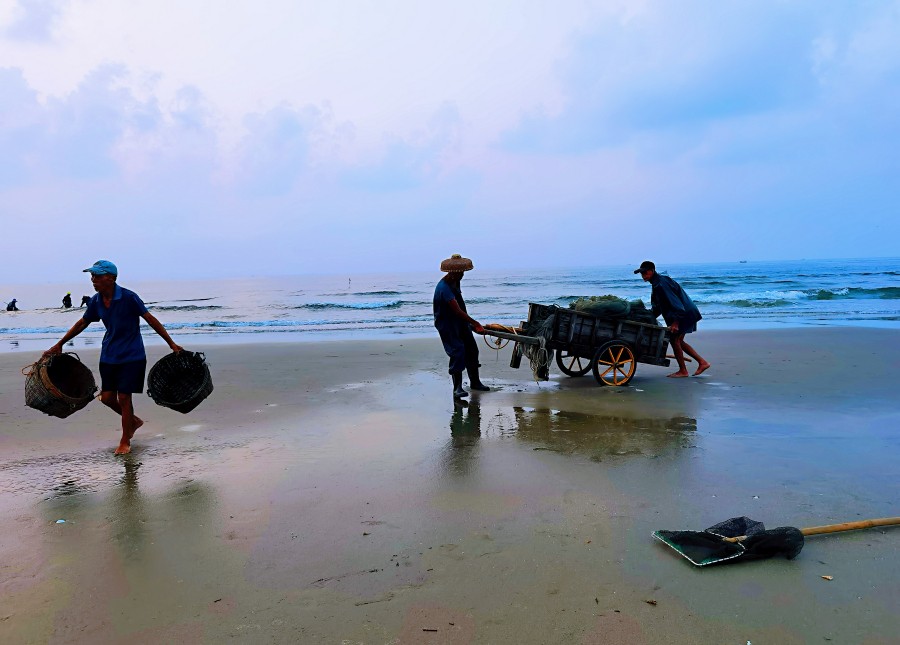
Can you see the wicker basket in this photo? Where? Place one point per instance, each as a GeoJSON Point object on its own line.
{"type": "Point", "coordinates": [180, 381]}
{"type": "Point", "coordinates": [59, 385]}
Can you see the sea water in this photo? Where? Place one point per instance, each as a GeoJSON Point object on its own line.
{"type": "Point", "coordinates": [736, 295]}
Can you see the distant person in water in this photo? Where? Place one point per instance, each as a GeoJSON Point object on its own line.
{"type": "Point", "coordinates": [67, 300]}
{"type": "Point", "coordinates": [85, 300]}
{"type": "Point", "coordinates": [679, 312]}
{"type": "Point", "coordinates": [11, 306]}
{"type": "Point", "coordinates": [123, 360]}
{"type": "Point", "coordinates": [455, 326]}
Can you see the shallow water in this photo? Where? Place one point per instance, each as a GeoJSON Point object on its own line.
{"type": "Point", "coordinates": [731, 295]}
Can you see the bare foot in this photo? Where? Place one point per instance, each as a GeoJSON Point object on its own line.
{"type": "Point", "coordinates": [125, 444]}
{"type": "Point", "coordinates": [138, 422]}
{"type": "Point", "coordinates": [679, 374]}
{"type": "Point", "coordinates": [702, 368]}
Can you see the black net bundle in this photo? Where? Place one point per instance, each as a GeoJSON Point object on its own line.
{"type": "Point", "coordinates": [59, 385]}
{"type": "Point", "coordinates": [538, 355]}
{"type": "Point", "coordinates": [784, 540]}
{"type": "Point", "coordinates": [708, 547]}
{"type": "Point", "coordinates": [180, 381]}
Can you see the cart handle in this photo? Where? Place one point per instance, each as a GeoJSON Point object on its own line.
{"type": "Point", "coordinates": [519, 338]}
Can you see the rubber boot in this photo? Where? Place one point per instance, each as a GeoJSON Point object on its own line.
{"type": "Point", "coordinates": [475, 382]}
{"type": "Point", "coordinates": [458, 391]}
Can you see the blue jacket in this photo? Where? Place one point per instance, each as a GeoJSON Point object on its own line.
{"type": "Point", "coordinates": [670, 300]}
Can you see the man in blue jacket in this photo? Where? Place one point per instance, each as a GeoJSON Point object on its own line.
{"type": "Point", "coordinates": [679, 312]}
{"type": "Point", "coordinates": [122, 357]}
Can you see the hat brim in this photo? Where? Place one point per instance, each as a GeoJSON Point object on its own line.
{"type": "Point", "coordinates": [457, 265]}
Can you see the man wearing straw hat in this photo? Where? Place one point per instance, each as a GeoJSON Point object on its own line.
{"type": "Point", "coordinates": [123, 360]}
{"type": "Point", "coordinates": [455, 325]}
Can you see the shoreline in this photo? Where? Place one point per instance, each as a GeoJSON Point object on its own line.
{"type": "Point", "coordinates": [333, 491]}
{"type": "Point", "coordinates": [90, 341]}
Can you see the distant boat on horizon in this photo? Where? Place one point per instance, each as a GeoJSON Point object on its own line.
{"type": "Point", "coordinates": [742, 261]}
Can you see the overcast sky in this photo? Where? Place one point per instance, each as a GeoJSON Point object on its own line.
{"type": "Point", "coordinates": [215, 138]}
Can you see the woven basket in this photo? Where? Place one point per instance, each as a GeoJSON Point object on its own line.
{"type": "Point", "coordinates": [59, 385]}
{"type": "Point", "coordinates": [180, 381]}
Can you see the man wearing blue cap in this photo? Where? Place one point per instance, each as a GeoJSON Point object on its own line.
{"type": "Point", "coordinates": [123, 360]}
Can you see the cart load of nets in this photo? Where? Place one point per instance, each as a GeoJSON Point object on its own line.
{"type": "Point", "coordinates": [614, 307]}
{"type": "Point", "coordinates": [59, 385]}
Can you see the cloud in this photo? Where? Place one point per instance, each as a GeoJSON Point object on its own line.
{"type": "Point", "coordinates": [20, 130]}
{"type": "Point", "coordinates": [34, 20]}
{"type": "Point", "coordinates": [676, 70]}
{"type": "Point", "coordinates": [411, 162]}
{"type": "Point", "coordinates": [640, 123]}
{"type": "Point", "coordinates": [275, 149]}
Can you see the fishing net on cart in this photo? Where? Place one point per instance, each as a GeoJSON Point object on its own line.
{"type": "Point", "coordinates": [610, 306]}
{"type": "Point", "coordinates": [540, 356]}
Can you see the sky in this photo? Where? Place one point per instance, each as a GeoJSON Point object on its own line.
{"type": "Point", "coordinates": [201, 138]}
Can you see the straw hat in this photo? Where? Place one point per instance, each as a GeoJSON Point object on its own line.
{"type": "Point", "coordinates": [457, 263]}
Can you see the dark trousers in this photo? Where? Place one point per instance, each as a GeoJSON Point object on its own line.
{"type": "Point", "coordinates": [461, 347]}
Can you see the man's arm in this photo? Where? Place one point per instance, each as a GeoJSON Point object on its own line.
{"type": "Point", "coordinates": [76, 329]}
{"type": "Point", "coordinates": [159, 329]}
{"type": "Point", "coordinates": [476, 326]}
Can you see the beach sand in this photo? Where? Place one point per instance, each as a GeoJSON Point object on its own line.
{"type": "Point", "coordinates": [333, 493]}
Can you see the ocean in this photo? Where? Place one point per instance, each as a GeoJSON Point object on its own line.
{"type": "Point", "coordinates": [737, 295]}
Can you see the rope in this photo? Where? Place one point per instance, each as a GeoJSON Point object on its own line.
{"type": "Point", "coordinates": [539, 358]}
{"type": "Point", "coordinates": [538, 355]}
{"type": "Point", "coordinates": [498, 343]}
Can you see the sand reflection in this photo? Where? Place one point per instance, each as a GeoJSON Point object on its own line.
{"type": "Point", "coordinates": [567, 431]}
{"type": "Point", "coordinates": [602, 436]}
{"type": "Point", "coordinates": [460, 456]}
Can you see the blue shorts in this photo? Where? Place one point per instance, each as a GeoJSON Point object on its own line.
{"type": "Point", "coordinates": [125, 378]}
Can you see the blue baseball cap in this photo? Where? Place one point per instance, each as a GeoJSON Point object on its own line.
{"type": "Point", "coordinates": [102, 267]}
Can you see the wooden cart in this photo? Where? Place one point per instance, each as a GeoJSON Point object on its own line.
{"type": "Point", "coordinates": [582, 342]}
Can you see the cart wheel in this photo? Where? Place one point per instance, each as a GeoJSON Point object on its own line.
{"type": "Point", "coordinates": [614, 363]}
{"type": "Point", "coordinates": [572, 365]}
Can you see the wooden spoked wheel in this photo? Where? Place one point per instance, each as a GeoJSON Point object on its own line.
{"type": "Point", "coordinates": [614, 363]}
{"type": "Point", "coordinates": [572, 365]}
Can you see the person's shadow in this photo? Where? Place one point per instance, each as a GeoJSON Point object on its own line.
{"type": "Point", "coordinates": [129, 507]}
{"type": "Point", "coordinates": [466, 419]}
{"type": "Point", "coordinates": [460, 455]}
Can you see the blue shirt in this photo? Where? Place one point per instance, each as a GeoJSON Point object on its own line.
{"type": "Point", "coordinates": [670, 300]}
{"type": "Point", "coordinates": [122, 341]}
{"type": "Point", "coordinates": [444, 316]}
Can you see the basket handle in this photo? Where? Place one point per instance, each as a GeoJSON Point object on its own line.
{"type": "Point", "coordinates": [48, 360]}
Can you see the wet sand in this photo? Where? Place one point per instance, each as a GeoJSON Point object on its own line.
{"type": "Point", "coordinates": [334, 493]}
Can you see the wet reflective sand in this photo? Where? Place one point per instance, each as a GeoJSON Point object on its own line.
{"type": "Point", "coordinates": [337, 493]}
